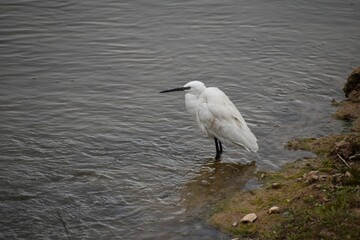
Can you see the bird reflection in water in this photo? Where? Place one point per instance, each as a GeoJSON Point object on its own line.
{"type": "Point", "coordinates": [216, 181]}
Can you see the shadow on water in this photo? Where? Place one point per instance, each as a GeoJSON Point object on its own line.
{"type": "Point", "coordinates": [215, 181]}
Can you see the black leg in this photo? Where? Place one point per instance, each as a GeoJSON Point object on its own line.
{"type": "Point", "coordinates": [220, 146]}
{"type": "Point", "coordinates": [218, 149]}
{"type": "Point", "coordinates": [216, 145]}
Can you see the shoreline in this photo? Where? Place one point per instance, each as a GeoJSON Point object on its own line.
{"type": "Point", "coordinates": [311, 198]}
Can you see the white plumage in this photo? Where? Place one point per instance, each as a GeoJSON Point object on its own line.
{"type": "Point", "coordinates": [217, 116]}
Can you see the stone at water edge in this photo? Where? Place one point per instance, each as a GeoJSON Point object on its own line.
{"type": "Point", "coordinates": [249, 218]}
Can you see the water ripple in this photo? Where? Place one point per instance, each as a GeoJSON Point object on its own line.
{"type": "Point", "coordinates": [84, 132]}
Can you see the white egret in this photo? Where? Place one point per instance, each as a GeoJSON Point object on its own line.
{"type": "Point", "coordinates": [217, 116]}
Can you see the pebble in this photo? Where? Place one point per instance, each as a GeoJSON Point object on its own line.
{"type": "Point", "coordinates": [311, 176]}
{"type": "Point", "coordinates": [348, 174]}
{"type": "Point", "coordinates": [286, 214]}
{"type": "Point", "coordinates": [235, 224]}
{"type": "Point", "coordinates": [275, 185]}
{"type": "Point", "coordinates": [274, 209]}
{"type": "Point", "coordinates": [249, 218]}
{"type": "Point", "coordinates": [204, 182]}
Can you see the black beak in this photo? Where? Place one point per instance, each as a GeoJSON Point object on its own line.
{"type": "Point", "coordinates": [175, 89]}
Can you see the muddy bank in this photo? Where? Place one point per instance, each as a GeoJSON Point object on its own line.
{"type": "Point", "coordinates": [315, 198]}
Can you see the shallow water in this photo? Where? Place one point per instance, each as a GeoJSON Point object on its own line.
{"type": "Point", "coordinates": [86, 139]}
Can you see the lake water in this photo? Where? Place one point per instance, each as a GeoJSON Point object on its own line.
{"type": "Point", "coordinates": [88, 144]}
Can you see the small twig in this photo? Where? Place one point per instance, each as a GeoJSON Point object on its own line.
{"type": "Point", "coordinates": [344, 161]}
{"type": "Point", "coordinates": [354, 156]}
{"type": "Point", "coordinates": [63, 223]}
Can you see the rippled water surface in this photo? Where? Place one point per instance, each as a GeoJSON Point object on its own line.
{"type": "Point", "coordinates": [86, 141]}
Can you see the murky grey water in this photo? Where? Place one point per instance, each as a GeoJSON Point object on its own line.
{"type": "Point", "coordinates": [86, 138]}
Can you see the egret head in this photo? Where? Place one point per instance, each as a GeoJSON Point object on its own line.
{"type": "Point", "coordinates": [194, 87]}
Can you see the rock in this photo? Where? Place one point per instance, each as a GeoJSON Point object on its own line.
{"type": "Point", "coordinates": [348, 174]}
{"type": "Point", "coordinates": [317, 186]}
{"type": "Point", "coordinates": [311, 176]}
{"type": "Point", "coordinates": [287, 214]}
{"type": "Point", "coordinates": [323, 177]}
{"type": "Point", "coordinates": [352, 86]}
{"type": "Point", "coordinates": [273, 209]}
{"type": "Point", "coordinates": [249, 218]}
{"type": "Point", "coordinates": [334, 102]}
{"type": "Point", "coordinates": [204, 182]}
{"type": "Point", "coordinates": [234, 224]}
{"type": "Point", "coordinates": [275, 185]}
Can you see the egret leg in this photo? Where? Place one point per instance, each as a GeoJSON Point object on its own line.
{"type": "Point", "coordinates": [218, 149]}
